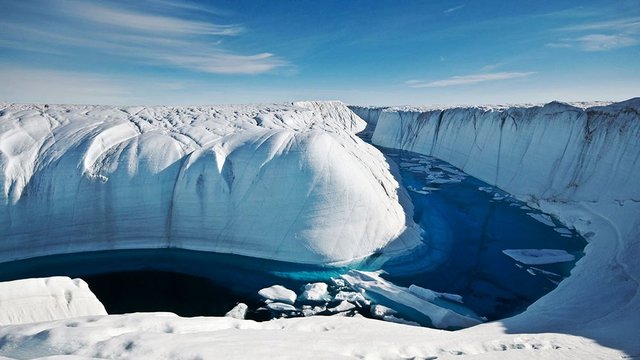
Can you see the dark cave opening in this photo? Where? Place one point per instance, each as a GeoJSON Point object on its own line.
{"type": "Point", "coordinates": [157, 291]}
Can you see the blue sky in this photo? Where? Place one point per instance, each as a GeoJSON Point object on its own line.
{"type": "Point", "coordinates": [360, 52]}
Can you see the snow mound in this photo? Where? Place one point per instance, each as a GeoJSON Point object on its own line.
{"type": "Point", "coordinates": [44, 299]}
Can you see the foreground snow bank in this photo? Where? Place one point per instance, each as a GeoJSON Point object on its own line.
{"type": "Point", "coordinates": [166, 336]}
{"type": "Point", "coordinates": [577, 162]}
{"type": "Point", "coordinates": [286, 182]}
{"type": "Point", "coordinates": [44, 299]}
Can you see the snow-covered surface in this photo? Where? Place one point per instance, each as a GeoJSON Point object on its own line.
{"type": "Point", "coordinates": [165, 336]}
{"type": "Point", "coordinates": [44, 299]}
{"type": "Point", "coordinates": [578, 163]}
{"type": "Point", "coordinates": [278, 293]}
{"type": "Point", "coordinates": [575, 163]}
{"type": "Point", "coordinates": [288, 182]}
{"type": "Point", "coordinates": [538, 256]}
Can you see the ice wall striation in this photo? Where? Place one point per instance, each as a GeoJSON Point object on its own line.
{"type": "Point", "coordinates": [371, 114]}
{"type": "Point", "coordinates": [286, 182]}
{"type": "Point", "coordinates": [558, 151]}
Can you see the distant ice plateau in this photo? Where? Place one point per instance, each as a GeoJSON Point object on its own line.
{"type": "Point", "coordinates": [294, 182]}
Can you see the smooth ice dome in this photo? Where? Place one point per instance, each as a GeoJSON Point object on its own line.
{"type": "Point", "coordinates": [285, 182]}
{"type": "Point", "coordinates": [45, 299]}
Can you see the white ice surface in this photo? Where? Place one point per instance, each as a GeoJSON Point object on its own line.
{"type": "Point", "coordinates": [238, 312]}
{"type": "Point", "coordinates": [155, 336]}
{"type": "Point", "coordinates": [278, 293]}
{"type": "Point", "coordinates": [539, 256]}
{"type": "Point", "coordinates": [44, 299]}
{"type": "Point", "coordinates": [288, 182]}
{"type": "Point", "coordinates": [316, 292]}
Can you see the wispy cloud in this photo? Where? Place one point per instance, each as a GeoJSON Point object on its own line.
{"type": "Point", "coordinates": [467, 79]}
{"type": "Point", "coordinates": [600, 35]}
{"type": "Point", "coordinates": [631, 24]}
{"type": "Point", "coordinates": [455, 8]}
{"type": "Point", "coordinates": [168, 38]}
{"type": "Point", "coordinates": [597, 42]}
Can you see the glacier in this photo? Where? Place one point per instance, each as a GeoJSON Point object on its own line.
{"type": "Point", "coordinates": [273, 181]}
{"type": "Point", "coordinates": [577, 162]}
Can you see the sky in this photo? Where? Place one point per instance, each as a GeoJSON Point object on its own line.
{"type": "Point", "coordinates": [383, 52]}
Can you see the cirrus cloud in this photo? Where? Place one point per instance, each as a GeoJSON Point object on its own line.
{"type": "Point", "coordinates": [467, 79]}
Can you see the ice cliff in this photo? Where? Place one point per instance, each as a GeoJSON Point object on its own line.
{"type": "Point", "coordinates": [286, 182]}
{"type": "Point", "coordinates": [579, 162]}
{"type": "Point", "coordinates": [558, 151]}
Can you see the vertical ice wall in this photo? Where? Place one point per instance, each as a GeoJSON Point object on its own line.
{"type": "Point", "coordinates": [556, 151]}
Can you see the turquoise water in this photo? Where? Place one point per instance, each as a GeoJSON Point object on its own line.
{"type": "Point", "coordinates": [478, 222]}
{"type": "Point", "coordinates": [466, 226]}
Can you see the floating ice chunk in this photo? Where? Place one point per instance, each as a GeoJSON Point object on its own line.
{"type": "Point", "coordinates": [445, 180]}
{"type": "Point", "coordinates": [278, 293]}
{"type": "Point", "coordinates": [342, 307]}
{"type": "Point", "coordinates": [543, 218]}
{"type": "Point", "coordinates": [486, 189]}
{"type": "Point", "coordinates": [545, 272]}
{"type": "Point", "coordinates": [238, 312]}
{"type": "Point", "coordinates": [412, 189]}
{"type": "Point", "coordinates": [316, 292]}
{"type": "Point", "coordinates": [539, 256]}
{"type": "Point", "coordinates": [563, 231]}
{"type": "Point", "coordinates": [350, 296]}
{"type": "Point", "coordinates": [373, 285]}
{"type": "Point", "coordinates": [312, 310]}
{"type": "Point", "coordinates": [278, 306]}
{"type": "Point", "coordinates": [338, 282]}
{"type": "Point", "coordinates": [380, 311]}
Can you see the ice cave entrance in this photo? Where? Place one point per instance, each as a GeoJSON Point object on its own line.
{"type": "Point", "coordinates": [496, 252]}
